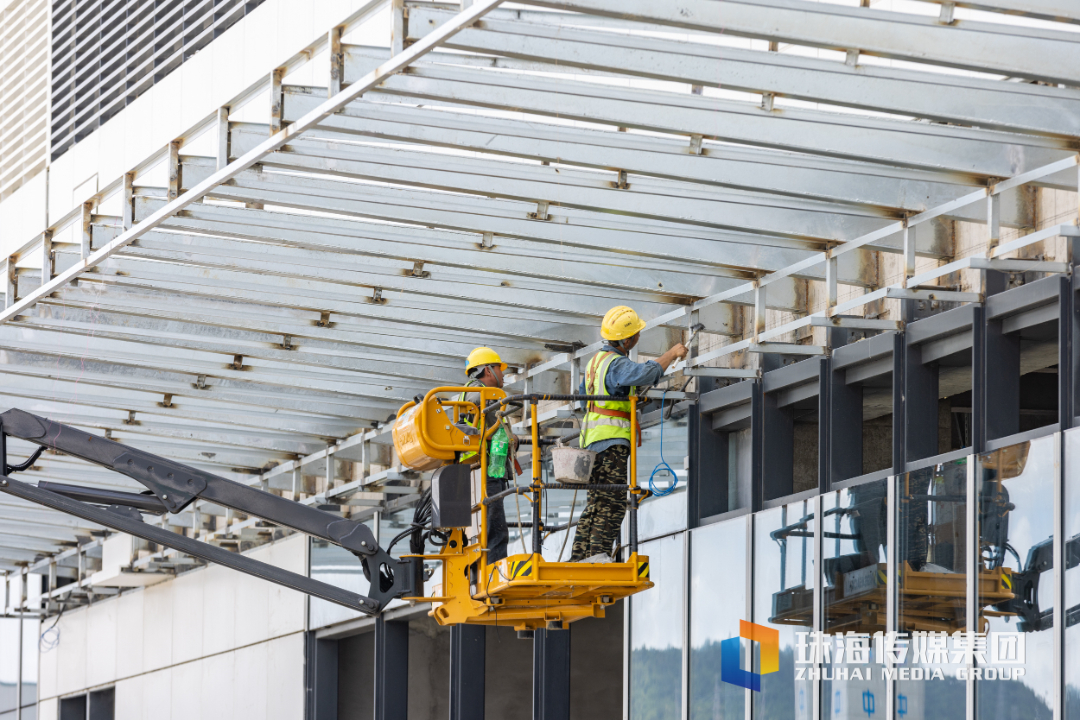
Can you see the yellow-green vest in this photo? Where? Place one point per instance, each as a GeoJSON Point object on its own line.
{"type": "Point", "coordinates": [470, 420]}
{"type": "Point", "coordinates": [604, 419]}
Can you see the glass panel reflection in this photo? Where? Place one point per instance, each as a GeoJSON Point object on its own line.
{"type": "Point", "coordinates": [784, 599]}
{"type": "Point", "coordinates": [931, 551]}
{"type": "Point", "coordinates": [854, 527]}
{"type": "Point", "coordinates": [717, 604]}
{"type": "Point", "coordinates": [1072, 574]}
{"type": "Point", "coordinates": [656, 630]}
{"type": "Point", "coordinates": [1016, 580]}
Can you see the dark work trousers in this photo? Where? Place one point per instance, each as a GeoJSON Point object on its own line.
{"type": "Point", "coordinates": [599, 525]}
{"type": "Point", "coordinates": [498, 533]}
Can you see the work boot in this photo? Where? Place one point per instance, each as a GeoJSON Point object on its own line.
{"type": "Point", "coordinates": [599, 558]}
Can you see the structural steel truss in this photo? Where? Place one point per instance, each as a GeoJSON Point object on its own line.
{"type": "Point", "coordinates": [505, 177]}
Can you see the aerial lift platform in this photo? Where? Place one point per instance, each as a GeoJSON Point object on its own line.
{"type": "Point", "coordinates": [523, 591]}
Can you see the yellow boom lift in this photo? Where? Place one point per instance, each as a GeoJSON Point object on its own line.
{"type": "Point", "coordinates": [525, 590]}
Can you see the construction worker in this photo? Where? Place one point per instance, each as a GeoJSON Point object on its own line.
{"type": "Point", "coordinates": [484, 367]}
{"type": "Point", "coordinates": [606, 428]}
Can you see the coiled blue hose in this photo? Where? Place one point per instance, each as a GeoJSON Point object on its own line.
{"type": "Point", "coordinates": [663, 463]}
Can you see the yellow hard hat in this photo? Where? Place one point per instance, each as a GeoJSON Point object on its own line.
{"type": "Point", "coordinates": [483, 356]}
{"type": "Point", "coordinates": [620, 323]}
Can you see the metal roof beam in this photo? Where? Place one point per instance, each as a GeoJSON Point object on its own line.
{"type": "Point", "coordinates": [985, 153]}
{"type": "Point", "coordinates": [936, 96]}
{"type": "Point", "coordinates": [1005, 49]}
{"type": "Point", "coordinates": [46, 394]}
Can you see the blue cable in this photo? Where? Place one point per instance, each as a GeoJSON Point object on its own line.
{"type": "Point", "coordinates": [663, 463]}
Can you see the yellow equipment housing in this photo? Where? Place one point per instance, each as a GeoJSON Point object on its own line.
{"type": "Point", "coordinates": [525, 590]}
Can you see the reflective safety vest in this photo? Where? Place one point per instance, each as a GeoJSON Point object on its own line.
{"type": "Point", "coordinates": [604, 419]}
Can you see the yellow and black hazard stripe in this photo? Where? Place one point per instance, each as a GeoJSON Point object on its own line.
{"type": "Point", "coordinates": [643, 570]}
{"type": "Point", "coordinates": [1006, 580]}
{"type": "Point", "coordinates": [521, 569]}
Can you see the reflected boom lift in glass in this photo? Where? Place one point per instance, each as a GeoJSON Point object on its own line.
{"type": "Point", "coordinates": [932, 574]}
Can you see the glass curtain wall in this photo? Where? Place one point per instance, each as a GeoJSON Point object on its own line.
{"type": "Point", "coordinates": [656, 633]}
{"type": "Point", "coordinates": [1016, 542]}
{"type": "Point", "coordinates": [718, 563]}
{"type": "Point", "coordinates": [931, 534]}
{"type": "Point", "coordinates": [784, 574]}
{"type": "Point", "coordinates": [1072, 574]}
{"type": "Point", "coordinates": [854, 543]}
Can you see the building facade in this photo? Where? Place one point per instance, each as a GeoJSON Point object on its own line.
{"type": "Point", "coordinates": [242, 235]}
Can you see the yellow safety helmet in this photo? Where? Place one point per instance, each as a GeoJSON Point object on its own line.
{"type": "Point", "coordinates": [483, 356]}
{"type": "Point", "coordinates": [620, 323]}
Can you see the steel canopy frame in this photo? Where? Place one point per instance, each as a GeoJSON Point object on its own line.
{"type": "Point", "coordinates": [369, 197]}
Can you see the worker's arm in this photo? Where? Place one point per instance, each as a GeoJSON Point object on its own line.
{"type": "Point", "coordinates": [677, 352]}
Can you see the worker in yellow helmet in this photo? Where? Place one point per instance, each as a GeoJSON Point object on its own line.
{"type": "Point", "coordinates": [606, 428]}
{"type": "Point", "coordinates": [484, 367]}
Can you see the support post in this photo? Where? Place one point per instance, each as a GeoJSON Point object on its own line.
{"type": "Point", "coordinates": [845, 427]}
{"type": "Point", "coordinates": [128, 210]}
{"type": "Point", "coordinates": [1000, 392]}
{"type": "Point", "coordinates": [757, 429]}
{"type": "Point", "coordinates": [11, 281]}
{"type": "Point", "coordinates": [85, 243]}
{"type": "Point", "coordinates": [707, 483]}
{"type": "Point", "coordinates": [391, 669]}
{"type": "Point", "coordinates": [276, 99]}
{"type": "Point", "coordinates": [223, 137]}
{"type": "Point", "coordinates": [759, 310]}
{"type": "Point", "coordinates": [467, 666]}
{"type": "Point", "coordinates": [1068, 358]}
{"type": "Point", "coordinates": [909, 251]}
{"type": "Point", "coordinates": [993, 221]}
{"type": "Point", "coordinates": [918, 403]}
{"type": "Point", "coordinates": [46, 256]}
{"type": "Point", "coordinates": [321, 678]}
{"type": "Point", "coordinates": [551, 675]}
{"type": "Point", "coordinates": [777, 448]}
{"type": "Point", "coordinates": [174, 170]}
{"type": "Point", "coordinates": [337, 62]}
{"type": "Point", "coordinates": [400, 28]}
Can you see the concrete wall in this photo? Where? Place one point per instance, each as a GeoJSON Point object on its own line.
{"type": "Point", "coordinates": [211, 643]}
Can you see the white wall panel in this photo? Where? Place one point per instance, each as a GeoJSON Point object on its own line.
{"type": "Point", "coordinates": [47, 662]}
{"type": "Point", "coordinates": [129, 634]}
{"type": "Point", "coordinates": [250, 685]}
{"type": "Point", "coordinates": [129, 698]}
{"type": "Point", "coordinates": [157, 698]}
{"type": "Point", "coordinates": [287, 608]}
{"type": "Point", "coordinates": [48, 710]}
{"type": "Point", "coordinates": [252, 609]}
{"type": "Point", "coordinates": [157, 626]}
{"type": "Point", "coordinates": [219, 610]}
{"type": "Point", "coordinates": [71, 663]}
{"type": "Point", "coordinates": [285, 681]}
{"type": "Point", "coordinates": [187, 691]}
{"type": "Point", "coordinates": [101, 619]}
{"type": "Point", "coordinates": [217, 687]}
{"type": "Point", "coordinates": [187, 616]}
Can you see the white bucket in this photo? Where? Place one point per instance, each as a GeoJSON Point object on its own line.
{"type": "Point", "coordinates": [572, 465]}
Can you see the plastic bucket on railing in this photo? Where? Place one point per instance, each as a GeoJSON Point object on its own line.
{"type": "Point", "coordinates": [572, 465]}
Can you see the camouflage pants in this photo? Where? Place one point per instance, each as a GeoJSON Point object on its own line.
{"type": "Point", "coordinates": [599, 525]}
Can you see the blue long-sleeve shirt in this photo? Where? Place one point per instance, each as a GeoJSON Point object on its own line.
{"type": "Point", "coordinates": [623, 374]}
